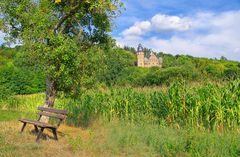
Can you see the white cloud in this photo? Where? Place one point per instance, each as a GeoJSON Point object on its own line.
{"type": "Point", "coordinates": [159, 22]}
{"type": "Point", "coordinates": [210, 35]}
{"type": "Point", "coordinates": [139, 28]}
{"type": "Point", "coordinates": [163, 22]}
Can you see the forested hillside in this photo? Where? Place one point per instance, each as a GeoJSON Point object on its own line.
{"type": "Point", "coordinates": [117, 68]}
{"type": "Point", "coordinates": [181, 66]}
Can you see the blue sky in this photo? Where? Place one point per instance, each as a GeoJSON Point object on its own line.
{"type": "Point", "coordinates": [202, 28]}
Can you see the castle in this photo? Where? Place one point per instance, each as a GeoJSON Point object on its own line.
{"type": "Point", "coordinates": [152, 61]}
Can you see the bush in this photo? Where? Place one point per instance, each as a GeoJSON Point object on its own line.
{"type": "Point", "coordinates": [213, 70]}
{"type": "Point", "coordinates": [135, 76]}
{"type": "Point", "coordinates": [158, 76]}
{"type": "Point", "coordinates": [232, 73]}
{"type": "Point", "coordinates": [5, 92]}
{"type": "Point", "coordinates": [22, 81]}
{"type": "Point", "coordinates": [132, 76]}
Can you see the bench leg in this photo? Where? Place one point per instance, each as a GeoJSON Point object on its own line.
{"type": "Point", "coordinates": [24, 125]}
{"type": "Point", "coordinates": [55, 134]}
{"type": "Point", "coordinates": [36, 128]}
{"type": "Point", "coordinates": [39, 134]}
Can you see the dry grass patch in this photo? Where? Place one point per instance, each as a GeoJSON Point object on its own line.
{"type": "Point", "coordinates": [13, 143]}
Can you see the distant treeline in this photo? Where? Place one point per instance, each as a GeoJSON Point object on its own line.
{"type": "Point", "coordinates": [116, 67]}
{"type": "Point", "coordinates": [180, 66]}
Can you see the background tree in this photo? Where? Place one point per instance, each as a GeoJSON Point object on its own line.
{"type": "Point", "coordinates": [130, 49]}
{"type": "Point", "coordinates": [56, 36]}
{"type": "Point", "coordinates": [115, 62]}
{"type": "Point", "coordinates": [223, 58]}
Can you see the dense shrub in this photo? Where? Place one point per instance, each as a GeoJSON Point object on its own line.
{"type": "Point", "coordinates": [173, 73]}
{"type": "Point", "coordinates": [16, 78]}
{"type": "Point", "coordinates": [156, 76]}
{"type": "Point", "coordinates": [232, 73]}
{"type": "Point", "coordinates": [22, 81]}
{"type": "Point", "coordinates": [5, 92]}
{"type": "Point", "coordinates": [213, 71]}
{"type": "Point", "coordinates": [132, 76]}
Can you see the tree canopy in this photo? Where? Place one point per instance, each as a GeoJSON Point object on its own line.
{"type": "Point", "coordinates": [57, 34]}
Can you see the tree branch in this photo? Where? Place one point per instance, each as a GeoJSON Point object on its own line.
{"type": "Point", "coordinates": [65, 17]}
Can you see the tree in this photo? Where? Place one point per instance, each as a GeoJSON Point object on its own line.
{"type": "Point", "coordinates": [223, 58]}
{"type": "Point", "coordinates": [56, 35]}
{"type": "Point", "coordinates": [115, 62]}
{"type": "Point", "coordinates": [130, 49]}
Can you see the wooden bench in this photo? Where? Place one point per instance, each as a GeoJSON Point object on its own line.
{"type": "Point", "coordinates": [57, 114]}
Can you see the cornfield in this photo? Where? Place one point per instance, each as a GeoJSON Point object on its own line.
{"type": "Point", "coordinates": [208, 106]}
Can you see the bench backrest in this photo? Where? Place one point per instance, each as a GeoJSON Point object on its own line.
{"type": "Point", "coordinates": [53, 113]}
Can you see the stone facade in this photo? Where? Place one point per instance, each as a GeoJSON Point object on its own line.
{"type": "Point", "coordinates": [152, 61]}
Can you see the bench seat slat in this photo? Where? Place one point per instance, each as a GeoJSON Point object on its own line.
{"type": "Point", "coordinates": [52, 115]}
{"type": "Point", "coordinates": [40, 124]}
{"type": "Point", "coordinates": [53, 110]}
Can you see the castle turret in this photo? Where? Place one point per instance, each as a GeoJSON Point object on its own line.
{"type": "Point", "coordinates": [152, 61]}
{"type": "Point", "coordinates": [140, 56]}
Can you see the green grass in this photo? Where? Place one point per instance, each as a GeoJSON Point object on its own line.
{"type": "Point", "coordinates": [117, 138]}
{"type": "Point", "coordinates": [11, 115]}
{"type": "Point", "coordinates": [23, 102]}
{"type": "Point", "coordinates": [151, 140]}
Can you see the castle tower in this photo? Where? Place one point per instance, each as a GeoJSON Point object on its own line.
{"type": "Point", "coordinates": [140, 56]}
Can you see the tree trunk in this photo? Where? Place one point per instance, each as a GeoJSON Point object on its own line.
{"type": "Point", "coordinates": [51, 93]}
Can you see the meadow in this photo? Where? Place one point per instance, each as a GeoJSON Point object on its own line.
{"type": "Point", "coordinates": [179, 120]}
